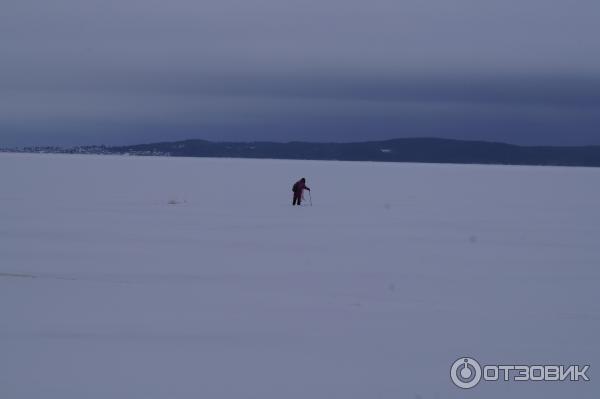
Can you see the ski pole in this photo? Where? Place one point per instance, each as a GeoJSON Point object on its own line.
{"type": "Point", "coordinates": [310, 197]}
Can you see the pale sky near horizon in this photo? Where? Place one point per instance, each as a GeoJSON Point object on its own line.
{"type": "Point", "coordinates": [133, 71]}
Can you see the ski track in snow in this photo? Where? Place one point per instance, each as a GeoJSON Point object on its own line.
{"type": "Point", "coordinates": [126, 277]}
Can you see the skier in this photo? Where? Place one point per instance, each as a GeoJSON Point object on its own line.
{"type": "Point", "coordinates": [297, 189]}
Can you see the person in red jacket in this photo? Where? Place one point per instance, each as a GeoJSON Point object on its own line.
{"type": "Point", "coordinates": [297, 189]}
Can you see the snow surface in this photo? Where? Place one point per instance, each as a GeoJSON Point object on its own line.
{"type": "Point", "coordinates": [130, 277]}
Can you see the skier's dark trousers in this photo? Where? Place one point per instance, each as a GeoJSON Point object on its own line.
{"type": "Point", "coordinates": [297, 189]}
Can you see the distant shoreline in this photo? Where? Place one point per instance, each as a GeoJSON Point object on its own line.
{"type": "Point", "coordinates": [412, 150]}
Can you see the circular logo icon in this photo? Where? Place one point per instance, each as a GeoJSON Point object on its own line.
{"type": "Point", "coordinates": [465, 372]}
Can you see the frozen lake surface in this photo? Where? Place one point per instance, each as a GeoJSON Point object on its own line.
{"type": "Point", "coordinates": [130, 277]}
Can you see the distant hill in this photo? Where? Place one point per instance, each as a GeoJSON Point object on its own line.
{"type": "Point", "coordinates": [397, 150]}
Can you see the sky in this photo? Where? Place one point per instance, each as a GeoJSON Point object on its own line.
{"type": "Point", "coordinates": [80, 72]}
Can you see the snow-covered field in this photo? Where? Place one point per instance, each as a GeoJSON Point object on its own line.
{"type": "Point", "coordinates": [125, 277]}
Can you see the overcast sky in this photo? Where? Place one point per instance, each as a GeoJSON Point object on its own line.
{"type": "Point", "coordinates": [132, 71]}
